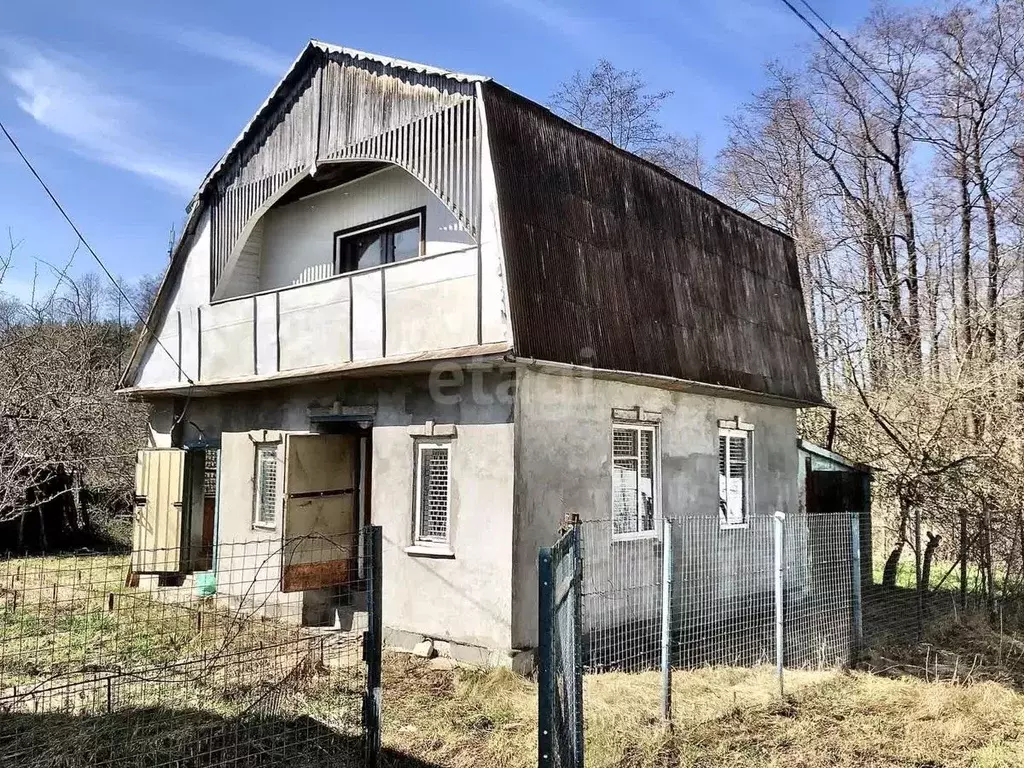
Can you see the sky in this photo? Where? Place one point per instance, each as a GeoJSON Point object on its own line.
{"type": "Point", "coordinates": [123, 106]}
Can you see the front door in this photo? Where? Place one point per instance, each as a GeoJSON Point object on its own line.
{"type": "Point", "coordinates": [321, 527]}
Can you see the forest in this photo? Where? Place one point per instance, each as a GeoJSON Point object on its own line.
{"type": "Point", "coordinates": [67, 439]}
{"type": "Point", "coordinates": [893, 155]}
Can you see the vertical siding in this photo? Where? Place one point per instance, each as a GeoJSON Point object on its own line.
{"type": "Point", "coordinates": [339, 109]}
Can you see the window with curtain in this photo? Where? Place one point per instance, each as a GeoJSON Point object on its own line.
{"type": "Point", "coordinates": [734, 477]}
{"type": "Point", "coordinates": [634, 479]}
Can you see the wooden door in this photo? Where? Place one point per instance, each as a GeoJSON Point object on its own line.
{"type": "Point", "coordinates": [157, 527]}
{"type": "Point", "coordinates": [321, 532]}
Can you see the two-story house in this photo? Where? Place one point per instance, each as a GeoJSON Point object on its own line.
{"type": "Point", "coordinates": [411, 297]}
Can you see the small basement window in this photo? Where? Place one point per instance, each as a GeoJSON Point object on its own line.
{"type": "Point", "coordinates": [397, 238]}
{"type": "Point", "coordinates": [265, 512]}
{"type": "Point", "coordinates": [433, 493]}
{"type": "Point", "coordinates": [735, 476]}
{"type": "Point", "coordinates": [635, 479]}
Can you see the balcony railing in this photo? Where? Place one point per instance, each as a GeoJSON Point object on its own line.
{"type": "Point", "coordinates": [409, 307]}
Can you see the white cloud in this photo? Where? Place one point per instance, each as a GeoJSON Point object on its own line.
{"type": "Point", "coordinates": [62, 95]}
{"type": "Point", "coordinates": [232, 49]}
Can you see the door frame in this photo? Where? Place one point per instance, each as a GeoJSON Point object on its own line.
{"type": "Point", "coordinates": [361, 426]}
{"type": "Point", "coordinates": [191, 448]}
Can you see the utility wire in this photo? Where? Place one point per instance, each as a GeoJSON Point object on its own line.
{"type": "Point", "coordinates": [865, 77]}
{"type": "Point", "coordinates": [924, 134]}
{"type": "Point", "coordinates": [89, 248]}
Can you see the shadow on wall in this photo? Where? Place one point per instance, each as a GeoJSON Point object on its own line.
{"type": "Point", "coordinates": [184, 739]}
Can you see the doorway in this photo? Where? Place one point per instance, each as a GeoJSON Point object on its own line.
{"type": "Point", "coordinates": [361, 430]}
{"type": "Point", "coordinates": [202, 472]}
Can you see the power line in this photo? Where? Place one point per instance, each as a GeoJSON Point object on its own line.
{"type": "Point", "coordinates": [92, 252]}
{"type": "Point", "coordinates": [907, 107]}
{"type": "Point", "coordinates": [865, 77]}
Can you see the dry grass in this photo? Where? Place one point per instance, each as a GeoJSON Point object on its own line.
{"type": "Point", "coordinates": [724, 717]}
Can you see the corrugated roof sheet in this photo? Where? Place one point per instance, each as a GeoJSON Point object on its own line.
{"type": "Point", "coordinates": [615, 263]}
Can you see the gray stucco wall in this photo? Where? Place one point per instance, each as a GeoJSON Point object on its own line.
{"type": "Point", "coordinates": [466, 598]}
{"type": "Point", "coordinates": [563, 449]}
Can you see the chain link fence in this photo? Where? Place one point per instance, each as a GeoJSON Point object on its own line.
{"type": "Point", "coordinates": [692, 592]}
{"type": "Point", "coordinates": [270, 657]}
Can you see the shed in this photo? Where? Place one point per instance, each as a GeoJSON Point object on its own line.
{"type": "Point", "coordinates": [833, 484]}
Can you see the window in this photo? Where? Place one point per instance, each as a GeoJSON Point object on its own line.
{"type": "Point", "coordinates": [265, 512]}
{"type": "Point", "coordinates": [433, 493]}
{"type": "Point", "coordinates": [734, 476]}
{"type": "Point", "coordinates": [634, 479]}
{"type": "Point", "coordinates": [382, 242]}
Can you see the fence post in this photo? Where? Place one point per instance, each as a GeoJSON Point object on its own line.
{"type": "Point", "coordinates": [577, 671]}
{"type": "Point", "coordinates": [666, 622]}
{"type": "Point", "coordinates": [373, 647]}
{"type": "Point", "coordinates": [855, 575]}
{"type": "Point", "coordinates": [963, 562]}
{"type": "Point", "coordinates": [545, 662]}
{"type": "Point", "coordinates": [780, 651]}
{"type": "Point", "coordinates": [917, 572]}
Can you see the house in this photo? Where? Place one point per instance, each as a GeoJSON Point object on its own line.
{"type": "Point", "coordinates": [426, 302]}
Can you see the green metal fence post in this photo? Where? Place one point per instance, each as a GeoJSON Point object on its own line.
{"type": "Point", "coordinates": [545, 659]}
{"type": "Point", "coordinates": [577, 666]}
{"type": "Point", "coordinates": [856, 576]}
{"type": "Point", "coordinates": [373, 647]}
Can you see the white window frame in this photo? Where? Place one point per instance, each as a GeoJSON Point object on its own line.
{"type": "Point", "coordinates": [272, 448]}
{"type": "Point", "coordinates": [419, 540]}
{"type": "Point", "coordinates": [748, 479]}
{"type": "Point", "coordinates": [654, 430]}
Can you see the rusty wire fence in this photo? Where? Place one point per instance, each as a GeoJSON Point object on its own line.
{"type": "Point", "coordinates": [270, 655]}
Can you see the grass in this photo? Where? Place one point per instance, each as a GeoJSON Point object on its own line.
{"type": "Point", "coordinates": [725, 717]}
{"type": "Point", "coordinates": [952, 701]}
{"type": "Point", "coordinates": [93, 671]}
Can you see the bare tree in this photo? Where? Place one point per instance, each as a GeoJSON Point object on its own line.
{"type": "Point", "coordinates": [619, 106]}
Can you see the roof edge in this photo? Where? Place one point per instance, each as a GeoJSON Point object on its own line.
{"type": "Point", "coordinates": [661, 381]}
{"type": "Point", "coordinates": [589, 134]}
{"type": "Point", "coordinates": [398, 364]}
{"type": "Point", "coordinates": [322, 47]}
{"type": "Point", "coordinates": [825, 453]}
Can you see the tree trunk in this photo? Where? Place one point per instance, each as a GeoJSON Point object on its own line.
{"type": "Point", "coordinates": [929, 556]}
{"type": "Point", "coordinates": [892, 563]}
{"type": "Point", "coordinates": [992, 293]}
{"type": "Point", "coordinates": [966, 287]}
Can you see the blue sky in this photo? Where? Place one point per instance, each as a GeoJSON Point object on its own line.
{"type": "Point", "coordinates": [123, 106]}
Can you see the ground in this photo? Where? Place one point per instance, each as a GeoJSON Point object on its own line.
{"type": "Point", "coordinates": [93, 672]}
{"type": "Point", "coordinates": [725, 717]}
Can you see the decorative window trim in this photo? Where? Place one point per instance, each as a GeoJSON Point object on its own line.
{"type": "Point", "coordinates": [745, 431]}
{"type": "Point", "coordinates": [419, 214]}
{"type": "Point", "coordinates": [640, 428]}
{"type": "Point", "coordinates": [266, 451]}
{"type": "Point", "coordinates": [422, 543]}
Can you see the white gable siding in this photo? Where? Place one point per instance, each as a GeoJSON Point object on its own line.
{"type": "Point", "coordinates": [160, 363]}
{"type": "Point", "coordinates": [298, 239]}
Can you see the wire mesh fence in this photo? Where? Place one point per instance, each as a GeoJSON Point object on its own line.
{"type": "Point", "coordinates": [257, 661]}
{"type": "Point", "coordinates": [721, 607]}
